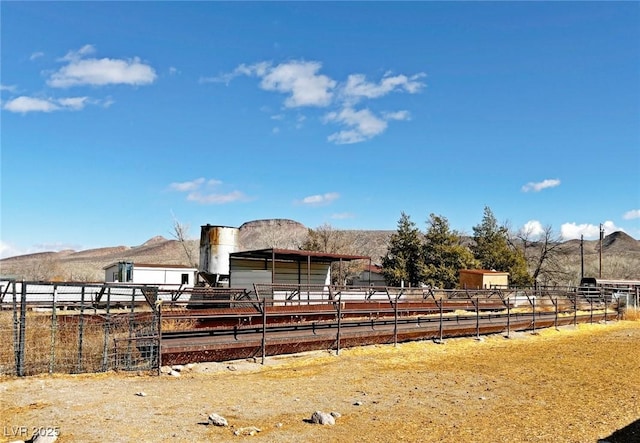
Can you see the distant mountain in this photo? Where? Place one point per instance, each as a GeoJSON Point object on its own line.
{"type": "Point", "coordinates": [621, 252]}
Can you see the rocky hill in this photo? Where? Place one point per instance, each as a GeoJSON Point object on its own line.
{"type": "Point", "coordinates": [621, 253]}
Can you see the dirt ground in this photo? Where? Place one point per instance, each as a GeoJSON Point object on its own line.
{"type": "Point", "coordinates": [576, 384]}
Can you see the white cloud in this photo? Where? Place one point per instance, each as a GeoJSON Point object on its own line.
{"type": "Point", "coordinates": [73, 102]}
{"type": "Point", "coordinates": [358, 87]}
{"type": "Point", "coordinates": [305, 86]}
{"type": "Point", "coordinates": [363, 125]}
{"type": "Point", "coordinates": [342, 216]}
{"type": "Point", "coordinates": [99, 72]}
{"type": "Point", "coordinates": [208, 199]}
{"type": "Point", "coordinates": [398, 115]}
{"type": "Point", "coordinates": [195, 194]}
{"type": "Point", "coordinates": [10, 88]}
{"type": "Point", "coordinates": [573, 230]}
{"type": "Point", "coordinates": [320, 199]}
{"type": "Point", "coordinates": [630, 215]}
{"type": "Point", "coordinates": [187, 186]}
{"type": "Point", "coordinates": [36, 55]}
{"type": "Point", "coordinates": [24, 104]}
{"type": "Point", "coordinates": [539, 186]}
{"type": "Point", "coordinates": [532, 228]}
{"type": "Point", "coordinates": [300, 80]}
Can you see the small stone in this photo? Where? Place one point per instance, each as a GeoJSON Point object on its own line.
{"type": "Point", "coordinates": [178, 368]}
{"type": "Point", "coordinates": [358, 403]}
{"type": "Point", "coordinates": [232, 368]}
{"type": "Point", "coordinates": [190, 366]}
{"type": "Point", "coordinates": [322, 418]}
{"type": "Point", "coordinates": [278, 425]}
{"type": "Point", "coordinates": [141, 394]}
{"type": "Point", "coordinates": [165, 369]}
{"type": "Point", "coordinates": [217, 420]}
{"type": "Point", "coordinates": [174, 373]}
{"type": "Point", "coordinates": [249, 430]}
{"type": "Point", "coordinates": [335, 414]}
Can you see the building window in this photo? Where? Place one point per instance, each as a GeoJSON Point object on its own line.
{"type": "Point", "coordinates": [185, 279]}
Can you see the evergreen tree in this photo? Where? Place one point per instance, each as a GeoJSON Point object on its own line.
{"type": "Point", "coordinates": [493, 251]}
{"type": "Point", "coordinates": [403, 262]}
{"type": "Point", "coordinates": [444, 255]}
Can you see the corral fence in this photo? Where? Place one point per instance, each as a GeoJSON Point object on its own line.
{"type": "Point", "coordinates": [63, 327]}
{"type": "Point", "coordinates": [48, 327]}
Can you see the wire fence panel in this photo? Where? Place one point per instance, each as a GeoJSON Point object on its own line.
{"type": "Point", "coordinates": [77, 328]}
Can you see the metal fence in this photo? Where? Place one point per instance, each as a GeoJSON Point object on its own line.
{"type": "Point", "coordinates": [57, 327]}
{"type": "Point", "coordinates": [77, 328]}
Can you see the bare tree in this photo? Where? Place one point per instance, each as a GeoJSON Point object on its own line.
{"type": "Point", "coordinates": [545, 256]}
{"type": "Point", "coordinates": [181, 233]}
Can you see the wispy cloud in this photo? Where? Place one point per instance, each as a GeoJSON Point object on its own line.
{"type": "Point", "coordinates": [357, 87]}
{"type": "Point", "coordinates": [630, 215]}
{"type": "Point", "coordinates": [342, 216]}
{"type": "Point", "coordinates": [24, 104]}
{"type": "Point", "coordinates": [320, 199]}
{"type": "Point", "coordinates": [36, 55]}
{"type": "Point", "coordinates": [362, 125]}
{"type": "Point", "coordinates": [304, 86]}
{"type": "Point", "coordinates": [215, 198]}
{"type": "Point", "coordinates": [99, 72]}
{"type": "Point", "coordinates": [10, 88]}
{"type": "Point", "coordinates": [202, 190]}
{"type": "Point", "coordinates": [539, 186]}
{"type": "Point", "coordinates": [589, 231]}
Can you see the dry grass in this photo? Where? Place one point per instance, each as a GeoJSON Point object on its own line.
{"type": "Point", "coordinates": [54, 345]}
{"type": "Point", "coordinates": [632, 314]}
{"type": "Point", "coordinates": [572, 385]}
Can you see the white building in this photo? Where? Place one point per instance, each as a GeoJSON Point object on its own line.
{"type": "Point", "coordinates": [166, 276]}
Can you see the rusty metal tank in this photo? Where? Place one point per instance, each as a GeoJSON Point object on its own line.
{"type": "Point", "coordinates": [216, 243]}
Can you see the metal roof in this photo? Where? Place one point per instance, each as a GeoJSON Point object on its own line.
{"type": "Point", "coordinates": [297, 255]}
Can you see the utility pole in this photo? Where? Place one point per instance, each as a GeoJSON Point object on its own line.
{"type": "Point", "coordinates": [581, 257]}
{"type": "Point", "coordinates": [600, 255]}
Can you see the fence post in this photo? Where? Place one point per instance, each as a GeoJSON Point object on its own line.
{"type": "Point", "coordinates": [575, 310]}
{"type": "Point", "coordinates": [555, 321]}
{"type": "Point", "coordinates": [54, 325]}
{"type": "Point", "coordinates": [508, 318]}
{"type": "Point", "coordinates": [81, 329]}
{"type": "Point", "coordinates": [441, 318]}
{"type": "Point", "coordinates": [129, 360]}
{"type": "Point", "coordinates": [605, 309]}
{"type": "Point", "coordinates": [16, 326]}
{"type": "Point", "coordinates": [477, 319]}
{"type": "Point", "coordinates": [159, 326]}
{"type": "Point", "coordinates": [591, 309]}
{"type": "Point", "coordinates": [533, 305]}
{"type": "Point", "coordinates": [21, 337]}
{"type": "Point", "coordinates": [107, 324]}
{"type": "Point", "coordinates": [395, 322]}
{"type": "Point", "coordinates": [264, 329]}
{"type": "Point", "coordinates": [339, 325]}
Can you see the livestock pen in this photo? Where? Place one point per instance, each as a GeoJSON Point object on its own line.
{"type": "Point", "coordinates": [66, 327]}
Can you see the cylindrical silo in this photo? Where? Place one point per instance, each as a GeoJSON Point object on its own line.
{"type": "Point", "coordinates": [216, 243]}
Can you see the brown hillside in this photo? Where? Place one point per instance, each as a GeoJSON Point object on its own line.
{"type": "Point", "coordinates": [621, 253]}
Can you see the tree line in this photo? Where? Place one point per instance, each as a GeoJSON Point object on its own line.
{"type": "Point", "coordinates": [435, 257]}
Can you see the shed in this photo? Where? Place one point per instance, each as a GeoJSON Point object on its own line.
{"type": "Point", "coordinates": [483, 279]}
{"type": "Point", "coordinates": [284, 266]}
{"type": "Point", "coordinates": [371, 275]}
{"type": "Point", "coordinates": [150, 274]}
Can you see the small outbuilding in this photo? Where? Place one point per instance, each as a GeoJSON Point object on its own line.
{"type": "Point", "coordinates": [150, 274]}
{"type": "Point", "coordinates": [483, 279]}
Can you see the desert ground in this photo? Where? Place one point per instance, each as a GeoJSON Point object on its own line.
{"type": "Point", "coordinates": [576, 384]}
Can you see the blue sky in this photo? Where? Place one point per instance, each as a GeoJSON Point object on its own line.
{"type": "Point", "coordinates": [118, 118]}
